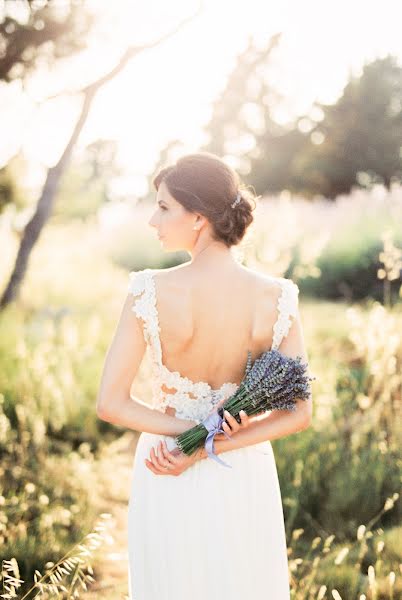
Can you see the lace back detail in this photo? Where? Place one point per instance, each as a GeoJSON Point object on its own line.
{"type": "Point", "coordinates": [287, 307]}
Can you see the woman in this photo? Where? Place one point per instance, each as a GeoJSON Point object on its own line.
{"type": "Point", "coordinates": [196, 529]}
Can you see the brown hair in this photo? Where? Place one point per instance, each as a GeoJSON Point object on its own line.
{"type": "Point", "coordinates": [205, 184]}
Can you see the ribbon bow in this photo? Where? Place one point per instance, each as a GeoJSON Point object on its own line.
{"type": "Point", "coordinates": [212, 424]}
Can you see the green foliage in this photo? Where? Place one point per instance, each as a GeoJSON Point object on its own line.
{"type": "Point", "coordinates": [356, 142]}
{"type": "Point", "coordinates": [350, 261]}
{"type": "Point", "coordinates": [362, 132]}
{"type": "Point", "coordinates": [48, 436]}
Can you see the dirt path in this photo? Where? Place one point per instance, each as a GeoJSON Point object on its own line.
{"type": "Point", "coordinates": [115, 470]}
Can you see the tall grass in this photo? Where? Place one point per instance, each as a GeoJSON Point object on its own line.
{"type": "Point", "coordinates": [64, 579]}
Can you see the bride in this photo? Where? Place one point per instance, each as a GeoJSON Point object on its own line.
{"type": "Point", "coordinates": [197, 529]}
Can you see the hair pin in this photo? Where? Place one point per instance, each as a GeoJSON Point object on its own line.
{"type": "Point", "coordinates": [238, 198]}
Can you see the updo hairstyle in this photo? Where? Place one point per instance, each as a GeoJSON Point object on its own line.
{"type": "Point", "coordinates": [205, 184]}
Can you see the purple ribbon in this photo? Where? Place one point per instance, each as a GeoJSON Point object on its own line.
{"type": "Point", "coordinates": [212, 424]}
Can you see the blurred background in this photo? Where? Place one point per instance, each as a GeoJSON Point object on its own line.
{"type": "Point", "coordinates": [304, 100]}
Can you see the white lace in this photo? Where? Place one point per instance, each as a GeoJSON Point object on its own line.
{"type": "Point", "coordinates": [193, 400]}
{"type": "Point", "coordinates": [287, 307]}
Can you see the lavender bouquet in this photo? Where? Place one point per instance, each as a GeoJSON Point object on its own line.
{"type": "Point", "coordinates": [273, 382]}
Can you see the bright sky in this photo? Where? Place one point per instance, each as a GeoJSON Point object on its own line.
{"type": "Point", "coordinates": [166, 93]}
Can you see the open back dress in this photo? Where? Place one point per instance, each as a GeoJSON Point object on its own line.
{"type": "Point", "coordinates": [212, 532]}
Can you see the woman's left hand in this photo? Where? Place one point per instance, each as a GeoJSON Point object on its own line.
{"type": "Point", "coordinates": [169, 462]}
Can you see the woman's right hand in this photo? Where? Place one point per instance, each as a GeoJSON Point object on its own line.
{"type": "Point", "coordinates": [229, 424]}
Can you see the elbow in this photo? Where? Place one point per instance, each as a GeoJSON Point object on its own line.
{"type": "Point", "coordinates": [109, 406]}
{"type": "Point", "coordinates": [101, 413]}
{"type": "Point", "coordinates": [306, 418]}
{"type": "Point", "coordinates": [305, 411]}
{"type": "Point", "coordinates": [103, 410]}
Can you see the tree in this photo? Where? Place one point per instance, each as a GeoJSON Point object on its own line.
{"type": "Point", "coordinates": [45, 203]}
{"type": "Point", "coordinates": [353, 142]}
{"type": "Point", "coordinates": [362, 134]}
{"type": "Point", "coordinates": [30, 32]}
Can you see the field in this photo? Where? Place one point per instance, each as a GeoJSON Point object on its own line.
{"type": "Point", "coordinates": [62, 468]}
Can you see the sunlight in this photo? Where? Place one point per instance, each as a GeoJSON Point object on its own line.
{"type": "Point", "coordinates": [166, 93]}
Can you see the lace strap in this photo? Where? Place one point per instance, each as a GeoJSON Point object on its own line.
{"type": "Point", "coordinates": [141, 284]}
{"type": "Point", "coordinates": [287, 307]}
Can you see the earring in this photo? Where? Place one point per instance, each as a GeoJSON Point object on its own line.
{"type": "Point", "coordinates": [195, 227]}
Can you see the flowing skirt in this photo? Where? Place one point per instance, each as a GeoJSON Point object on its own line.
{"type": "Point", "coordinates": [210, 532]}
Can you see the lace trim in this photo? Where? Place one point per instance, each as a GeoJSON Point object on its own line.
{"type": "Point", "coordinates": [287, 307]}
{"type": "Point", "coordinates": [195, 409]}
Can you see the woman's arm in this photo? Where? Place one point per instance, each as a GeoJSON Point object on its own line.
{"type": "Point", "coordinates": [277, 423]}
{"type": "Point", "coordinates": [114, 401]}
{"type": "Point", "coordinates": [135, 414]}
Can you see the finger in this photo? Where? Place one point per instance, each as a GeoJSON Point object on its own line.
{"type": "Point", "coordinates": [172, 467]}
{"type": "Point", "coordinates": [245, 421]}
{"type": "Point", "coordinates": [171, 461]}
{"type": "Point", "coordinates": [156, 464]}
{"type": "Point", "coordinates": [163, 462]}
{"type": "Point", "coordinates": [168, 455]}
{"type": "Point", "coordinates": [150, 466]}
{"type": "Point", "coordinates": [225, 428]}
{"type": "Point", "coordinates": [234, 425]}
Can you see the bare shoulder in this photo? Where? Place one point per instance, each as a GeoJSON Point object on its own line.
{"type": "Point", "coordinates": [177, 275]}
{"type": "Point", "coordinates": [271, 284]}
{"type": "Point", "coordinates": [173, 285]}
{"type": "Point", "coordinates": [276, 294]}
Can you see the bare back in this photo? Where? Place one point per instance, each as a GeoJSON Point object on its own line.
{"type": "Point", "coordinates": [199, 329]}
{"type": "Point", "coordinates": [207, 323]}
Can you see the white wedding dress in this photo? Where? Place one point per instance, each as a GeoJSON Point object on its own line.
{"type": "Point", "coordinates": [212, 532]}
